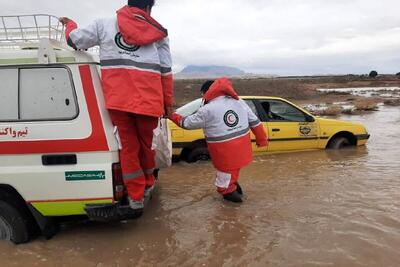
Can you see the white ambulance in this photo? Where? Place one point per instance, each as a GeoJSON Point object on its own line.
{"type": "Point", "coordinates": [58, 152]}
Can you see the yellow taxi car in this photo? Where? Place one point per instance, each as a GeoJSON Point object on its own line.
{"type": "Point", "coordinates": [289, 127]}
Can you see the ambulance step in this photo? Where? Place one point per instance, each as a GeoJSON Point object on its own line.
{"type": "Point", "coordinates": [102, 212]}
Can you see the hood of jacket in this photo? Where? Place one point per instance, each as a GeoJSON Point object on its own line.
{"type": "Point", "coordinates": [137, 27]}
{"type": "Point", "coordinates": [221, 87]}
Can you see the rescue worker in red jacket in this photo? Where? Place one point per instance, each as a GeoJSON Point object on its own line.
{"type": "Point", "coordinates": [226, 121]}
{"type": "Point", "coordinates": [137, 84]}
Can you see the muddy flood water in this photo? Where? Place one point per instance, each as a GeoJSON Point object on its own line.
{"type": "Point", "coordinates": [322, 208]}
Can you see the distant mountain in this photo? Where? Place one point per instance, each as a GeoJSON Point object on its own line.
{"type": "Point", "coordinates": [193, 71]}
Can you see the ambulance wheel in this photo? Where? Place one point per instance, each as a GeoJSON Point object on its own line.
{"type": "Point", "coordinates": [339, 143]}
{"type": "Point", "coordinates": [13, 225]}
{"type": "Point", "coordinates": [198, 154]}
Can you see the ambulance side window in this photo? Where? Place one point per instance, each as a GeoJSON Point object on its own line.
{"type": "Point", "coordinates": [9, 94]}
{"type": "Point", "coordinates": [46, 94]}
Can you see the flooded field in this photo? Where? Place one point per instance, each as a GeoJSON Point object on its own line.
{"type": "Point", "coordinates": [371, 99]}
{"type": "Point", "coordinates": [367, 91]}
{"type": "Point", "coordinates": [335, 208]}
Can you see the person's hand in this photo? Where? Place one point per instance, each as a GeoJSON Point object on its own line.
{"type": "Point", "coordinates": [177, 119]}
{"type": "Point", "coordinates": [64, 20]}
{"type": "Point", "coordinates": [168, 112]}
{"type": "Point", "coordinates": [264, 143]}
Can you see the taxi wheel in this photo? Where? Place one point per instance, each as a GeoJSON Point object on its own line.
{"type": "Point", "coordinates": [339, 143]}
{"type": "Point", "coordinates": [198, 154]}
{"type": "Point", "coordinates": [13, 225]}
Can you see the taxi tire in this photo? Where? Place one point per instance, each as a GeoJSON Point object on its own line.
{"type": "Point", "coordinates": [339, 143]}
{"type": "Point", "coordinates": [16, 223]}
{"type": "Point", "coordinates": [198, 154]}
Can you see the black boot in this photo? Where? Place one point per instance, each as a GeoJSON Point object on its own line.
{"type": "Point", "coordinates": [239, 189]}
{"type": "Point", "coordinates": [126, 212]}
{"type": "Point", "coordinates": [233, 197]}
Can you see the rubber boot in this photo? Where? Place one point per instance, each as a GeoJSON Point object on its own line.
{"type": "Point", "coordinates": [135, 209]}
{"type": "Point", "coordinates": [233, 197]}
{"type": "Point", "coordinates": [148, 192]}
{"type": "Point", "coordinates": [239, 189]}
{"type": "Point", "coordinates": [126, 212]}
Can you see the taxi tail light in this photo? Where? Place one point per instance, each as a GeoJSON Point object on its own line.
{"type": "Point", "coordinates": [118, 182]}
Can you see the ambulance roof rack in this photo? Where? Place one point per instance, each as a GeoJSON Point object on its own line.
{"type": "Point", "coordinates": [27, 31]}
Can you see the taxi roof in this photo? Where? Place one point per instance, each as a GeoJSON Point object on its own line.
{"type": "Point", "coordinates": [259, 97]}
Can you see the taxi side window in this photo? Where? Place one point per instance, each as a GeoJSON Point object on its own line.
{"type": "Point", "coordinates": [252, 106]}
{"type": "Point", "coordinates": [38, 94]}
{"type": "Point", "coordinates": [276, 111]}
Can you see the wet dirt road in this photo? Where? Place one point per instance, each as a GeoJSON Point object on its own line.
{"type": "Point", "coordinates": [301, 209]}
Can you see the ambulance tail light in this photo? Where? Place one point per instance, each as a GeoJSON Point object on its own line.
{"type": "Point", "coordinates": [118, 182]}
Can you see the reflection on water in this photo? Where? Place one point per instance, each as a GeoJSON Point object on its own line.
{"type": "Point", "coordinates": [338, 208]}
{"type": "Point", "coordinates": [366, 91]}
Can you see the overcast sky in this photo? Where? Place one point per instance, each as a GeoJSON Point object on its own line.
{"type": "Point", "coordinates": [287, 37]}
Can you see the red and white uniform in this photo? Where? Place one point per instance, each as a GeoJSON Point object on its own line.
{"type": "Point", "coordinates": [227, 122]}
{"type": "Point", "coordinates": [137, 83]}
{"type": "Point", "coordinates": [135, 60]}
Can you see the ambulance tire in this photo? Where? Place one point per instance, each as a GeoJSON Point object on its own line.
{"type": "Point", "coordinates": [198, 154]}
{"type": "Point", "coordinates": [13, 225]}
{"type": "Point", "coordinates": [339, 143]}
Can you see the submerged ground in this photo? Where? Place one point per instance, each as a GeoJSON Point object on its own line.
{"type": "Point", "coordinates": [322, 208]}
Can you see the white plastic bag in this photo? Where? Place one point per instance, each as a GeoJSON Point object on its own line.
{"type": "Point", "coordinates": [116, 134]}
{"type": "Point", "coordinates": [162, 144]}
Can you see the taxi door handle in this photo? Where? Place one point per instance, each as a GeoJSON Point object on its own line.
{"type": "Point", "coordinates": [276, 130]}
{"type": "Point", "coordinates": [52, 160]}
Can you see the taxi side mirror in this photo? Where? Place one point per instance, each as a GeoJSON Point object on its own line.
{"type": "Point", "coordinates": [309, 118]}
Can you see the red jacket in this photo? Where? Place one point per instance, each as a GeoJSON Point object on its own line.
{"type": "Point", "coordinates": [226, 121]}
{"type": "Point", "coordinates": [135, 60]}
